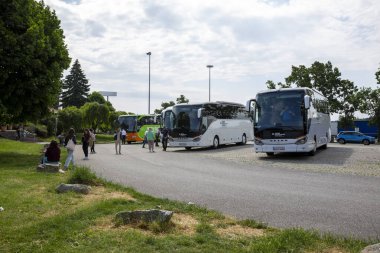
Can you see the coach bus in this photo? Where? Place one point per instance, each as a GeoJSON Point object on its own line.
{"type": "Point", "coordinates": [290, 120]}
{"type": "Point", "coordinates": [136, 125]}
{"type": "Point", "coordinates": [207, 124]}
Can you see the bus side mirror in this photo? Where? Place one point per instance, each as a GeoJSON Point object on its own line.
{"type": "Point", "coordinates": [249, 105]}
{"type": "Point", "coordinates": [306, 99]}
{"type": "Point", "coordinates": [199, 114]}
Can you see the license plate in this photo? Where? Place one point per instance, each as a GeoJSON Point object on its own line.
{"type": "Point", "coordinates": [182, 144]}
{"type": "Point", "coordinates": [279, 148]}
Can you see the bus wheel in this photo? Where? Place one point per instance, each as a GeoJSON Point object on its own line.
{"type": "Point", "coordinates": [215, 143]}
{"type": "Point", "coordinates": [243, 140]}
{"type": "Point", "coordinates": [270, 153]}
{"type": "Point", "coordinates": [312, 153]}
{"type": "Point", "coordinates": [187, 148]}
{"type": "Point", "coordinates": [129, 142]}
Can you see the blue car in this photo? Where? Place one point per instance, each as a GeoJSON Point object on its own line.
{"type": "Point", "coordinates": [354, 137]}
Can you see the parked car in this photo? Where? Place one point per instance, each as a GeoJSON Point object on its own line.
{"type": "Point", "coordinates": [354, 137]}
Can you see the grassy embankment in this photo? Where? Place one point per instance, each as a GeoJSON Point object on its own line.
{"type": "Point", "coordinates": [37, 219]}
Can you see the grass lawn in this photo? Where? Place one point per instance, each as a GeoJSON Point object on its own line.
{"type": "Point", "coordinates": [37, 219]}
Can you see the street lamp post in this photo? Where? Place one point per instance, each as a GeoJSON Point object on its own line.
{"type": "Point", "coordinates": [209, 81]}
{"type": "Point", "coordinates": [149, 54]}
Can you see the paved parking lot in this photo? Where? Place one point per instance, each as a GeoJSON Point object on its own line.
{"type": "Point", "coordinates": [288, 190]}
{"type": "Point", "coordinates": [354, 159]}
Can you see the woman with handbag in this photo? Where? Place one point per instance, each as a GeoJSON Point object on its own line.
{"type": "Point", "coordinates": [70, 142]}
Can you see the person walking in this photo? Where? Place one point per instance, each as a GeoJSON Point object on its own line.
{"type": "Point", "coordinates": [117, 138]}
{"type": "Point", "coordinates": [145, 140]}
{"type": "Point", "coordinates": [85, 143]}
{"type": "Point", "coordinates": [157, 137]}
{"type": "Point", "coordinates": [70, 142]}
{"type": "Point", "coordinates": [123, 136]}
{"type": "Point", "coordinates": [165, 135]}
{"type": "Point", "coordinates": [150, 139]}
{"type": "Point", "coordinates": [92, 141]}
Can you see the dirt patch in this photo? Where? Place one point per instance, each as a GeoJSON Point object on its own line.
{"type": "Point", "coordinates": [185, 223]}
{"type": "Point", "coordinates": [101, 193]}
{"type": "Point", "coordinates": [236, 231]}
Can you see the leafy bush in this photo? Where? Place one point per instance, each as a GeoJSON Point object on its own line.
{"type": "Point", "coordinates": [83, 175]}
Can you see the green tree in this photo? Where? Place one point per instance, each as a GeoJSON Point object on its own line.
{"type": "Point", "coordinates": [96, 97]}
{"type": "Point", "coordinates": [75, 87]}
{"type": "Point", "coordinates": [164, 105]}
{"type": "Point", "coordinates": [370, 104]}
{"type": "Point", "coordinates": [182, 100]}
{"type": "Point", "coordinates": [95, 114]}
{"type": "Point", "coordinates": [326, 79]}
{"type": "Point", "coordinates": [33, 55]}
{"type": "Point", "coordinates": [112, 119]}
{"type": "Point", "coordinates": [70, 117]}
{"type": "Point", "coordinates": [271, 85]}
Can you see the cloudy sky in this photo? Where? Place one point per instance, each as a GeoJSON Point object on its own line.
{"type": "Point", "coordinates": [247, 41]}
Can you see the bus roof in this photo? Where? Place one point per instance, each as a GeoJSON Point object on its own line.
{"type": "Point", "coordinates": [213, 103]}
{"type": "Point", "coordinates": [137, 115]}
{"type": "Point", "coordinates": [290, 89]}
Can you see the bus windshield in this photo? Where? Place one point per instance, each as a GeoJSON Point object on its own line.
{"type": "Point", "coordinates": [185, 121]}
{"type": "Point", "coordinates": [128, 123]}
{"type": "Point", "coordinates": [280, 110]}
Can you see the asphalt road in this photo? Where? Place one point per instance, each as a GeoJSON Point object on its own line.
{"type": "Point", "coordinates": [281, 197]}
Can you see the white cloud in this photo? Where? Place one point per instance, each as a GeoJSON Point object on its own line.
{"type": "Point", "coordinates": [248, 42]}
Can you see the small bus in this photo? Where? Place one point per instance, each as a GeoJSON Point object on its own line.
{"type": "Point", "coordinates": [290, 120]}
{"type": "Point", "coordinates": [208, 124]}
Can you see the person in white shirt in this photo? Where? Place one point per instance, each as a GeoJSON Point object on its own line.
{"type": "Point", "coordinates": [123, 135]}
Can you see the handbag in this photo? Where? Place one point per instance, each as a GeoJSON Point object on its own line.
{"type": "Point", "coordinates": [70, 145]}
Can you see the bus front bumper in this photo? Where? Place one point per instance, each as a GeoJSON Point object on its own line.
{"type": "Point", "coordinates": [289, 148]}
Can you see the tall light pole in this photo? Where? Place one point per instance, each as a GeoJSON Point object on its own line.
{"type": "Point", "coordinates": [209, 80]}
{"type": "Point", "coordinates": [149, 54]}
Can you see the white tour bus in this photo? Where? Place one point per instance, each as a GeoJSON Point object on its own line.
{"type": "Point", "coordinates": [290, 120]}
{"type": "Point", "coordinates": [207, 124]}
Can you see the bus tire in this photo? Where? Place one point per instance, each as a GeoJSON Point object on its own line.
{"type": "Point", "coordinates": [187, 148]}
{"type": "Point", "coordinates": [215, 142]}
{"type": "Point", "coordinates": [129, 142]}
{"type": "Point", "coordinates": [312, 153]}
{"type": "Point", "coordinates": [270, 153]}
{"type": "Point", "coordinates": [243, 140]}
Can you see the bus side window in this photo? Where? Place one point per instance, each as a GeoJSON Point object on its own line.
{"type": "Point", "coordinates": [204, 125]}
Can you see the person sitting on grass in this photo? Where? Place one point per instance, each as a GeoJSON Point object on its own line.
{"type": "Point", "coordinates": [52, 153]}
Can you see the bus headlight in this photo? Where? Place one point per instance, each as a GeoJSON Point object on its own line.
{"type": "Point", "coordinates": [301, 140]}
{"type": "Point", "coordinates": [258, 141]}
{"type": "Point", "coordinates": [196, 139]}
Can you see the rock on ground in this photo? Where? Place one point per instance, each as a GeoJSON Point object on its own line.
{"type": "Point", "coordinates": [78, 188]}
{"type": "Point", "coordinates": [154, 215]}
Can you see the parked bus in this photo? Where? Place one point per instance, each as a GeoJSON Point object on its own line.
{"type": "Point", "coordinates": [136, 125]}
{"type": "Point", "coordinates": [290, 120]}
{"type": "Point", "coordinates": [207, 124]}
